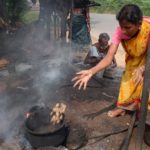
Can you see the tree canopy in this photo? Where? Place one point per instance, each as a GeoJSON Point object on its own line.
{"type": "Point", "coordinates": [13, 10]}
{"type": "Point", "coordinates": [112, 6]}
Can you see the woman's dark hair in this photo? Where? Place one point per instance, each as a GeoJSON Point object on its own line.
{"type": "Point", "coordinates": [131, 13]}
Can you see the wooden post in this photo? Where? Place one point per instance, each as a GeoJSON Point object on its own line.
{"type": "Point", "coordinates": [71, 15]}
{"type": "Point", "coordinates": [144, 103]}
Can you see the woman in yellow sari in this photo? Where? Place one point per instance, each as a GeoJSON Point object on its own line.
{"type": "Point", "coordinates": [133, 33]}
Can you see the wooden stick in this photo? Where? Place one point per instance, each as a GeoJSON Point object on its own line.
{"type": "Point", "coordinates": [126, 141]}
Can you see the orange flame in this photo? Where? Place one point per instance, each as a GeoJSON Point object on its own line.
{"type": "Point", "coordinates": [27, 115]}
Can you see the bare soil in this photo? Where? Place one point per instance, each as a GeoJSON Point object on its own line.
{"type": "Point", "coordinates": [21, 90]}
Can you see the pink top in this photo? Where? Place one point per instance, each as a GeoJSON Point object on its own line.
{"type": "Point", "coordinates": [119, 35]}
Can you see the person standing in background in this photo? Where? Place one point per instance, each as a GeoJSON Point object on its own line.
{"type": "Point", "coordinates": [80, 25]}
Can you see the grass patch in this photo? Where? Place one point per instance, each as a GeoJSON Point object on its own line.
{"type": "Point", "coordinates": [30, 16]}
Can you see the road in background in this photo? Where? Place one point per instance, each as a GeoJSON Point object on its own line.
{"type": "Point", "coordinates": [106, 23]}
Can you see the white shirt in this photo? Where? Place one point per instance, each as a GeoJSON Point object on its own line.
{"type": "Point", "coordinates": [94, 52]}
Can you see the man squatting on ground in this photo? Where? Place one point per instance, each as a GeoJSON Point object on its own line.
{"type": "Point", "coordinates": [97, 52]}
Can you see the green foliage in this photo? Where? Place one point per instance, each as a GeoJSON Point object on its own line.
{"type": "Point", "coordinates": [15, 9]}
{"type": "Point", "coordinates": [112, 6]}
{"type": "Point", "coordinates": [30, 16]}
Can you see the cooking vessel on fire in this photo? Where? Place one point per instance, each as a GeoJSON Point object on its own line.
{"type": "Point", "coordinates": [40, 132]}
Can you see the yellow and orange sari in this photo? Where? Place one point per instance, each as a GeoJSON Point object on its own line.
{"type": "Point", "coordinates": [136, 51]}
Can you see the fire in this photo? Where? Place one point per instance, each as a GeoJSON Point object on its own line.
{"type": "Point", "coordinates": [27, 115]}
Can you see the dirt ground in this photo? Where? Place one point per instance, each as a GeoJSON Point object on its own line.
{"type": "Point", "coordinates": [36, 75]}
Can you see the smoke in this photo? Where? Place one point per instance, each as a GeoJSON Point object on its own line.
{"type": "Point", "coordinates": [8, 115]}
{"type": "Point", "coordinates": [49, 60]}
{"type": "Point", "coordinates": [4, 118]}
{"type": "Point", "coordinates": [49, 68]}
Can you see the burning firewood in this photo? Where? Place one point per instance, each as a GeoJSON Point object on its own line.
{"type": "Point", "coordinates": [3, 63]}
{"type": "Point", "coordinates": [58, 113]}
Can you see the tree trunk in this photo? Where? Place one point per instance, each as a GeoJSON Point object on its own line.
{"type": "Point", "coordinates": [3, 11]}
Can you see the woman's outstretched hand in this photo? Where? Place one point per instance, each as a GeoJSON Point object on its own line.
{"type": "Point", "coordinates": [81, 79]}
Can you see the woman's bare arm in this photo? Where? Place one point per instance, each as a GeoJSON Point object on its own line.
{"type": "Point", "coordinates": [81, 79]}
